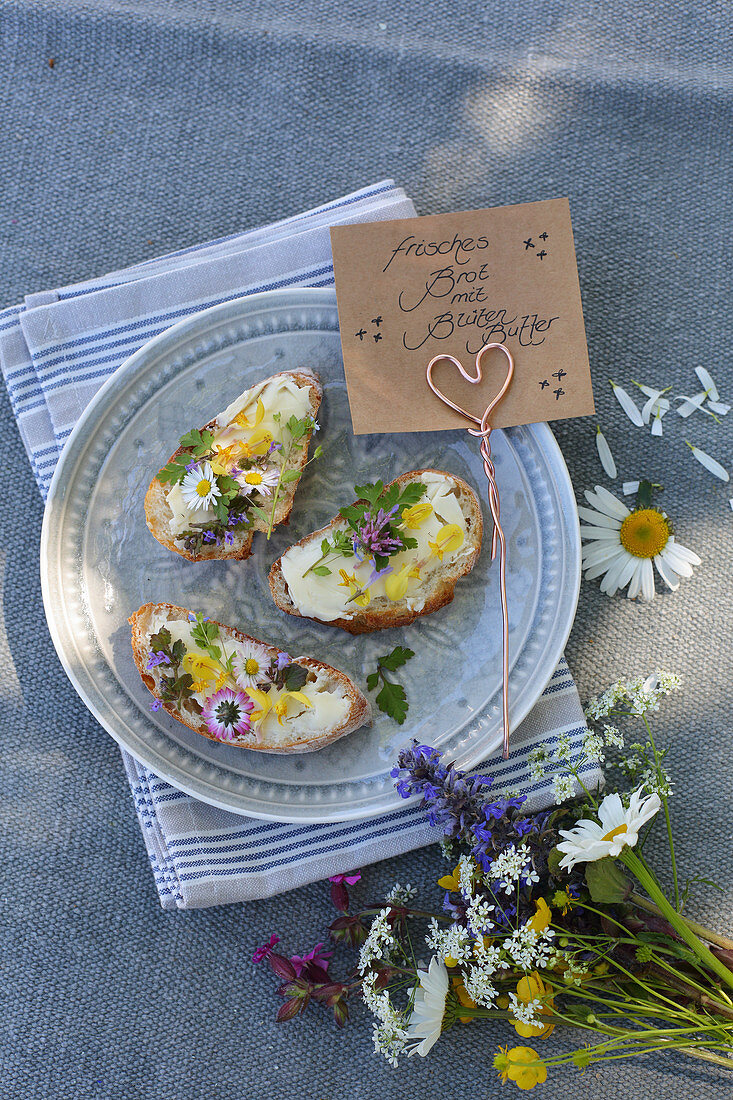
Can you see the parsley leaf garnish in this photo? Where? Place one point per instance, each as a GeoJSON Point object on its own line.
{"type": "Point", "coordinates": [391, 699]}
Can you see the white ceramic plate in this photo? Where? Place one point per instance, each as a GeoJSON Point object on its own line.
{"type": "Point", "coordinates": [100, 563]}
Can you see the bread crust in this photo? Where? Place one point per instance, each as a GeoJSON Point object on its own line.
{"type": "Point", "coordinates": [359, 713]}
{"type": "Point", "coordinates": [158, 514]}
{"type": "Point", "coordinates": [391, 614]}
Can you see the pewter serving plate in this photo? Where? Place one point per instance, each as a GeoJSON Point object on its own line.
{"type": "Point", "coordinates": [100, 563]}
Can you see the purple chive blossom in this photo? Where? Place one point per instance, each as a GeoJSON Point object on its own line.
{"type": "Point", "coordinates": [156, 704]}
{"type": "Point", "coordinates": [266, 950]}
{"type": "Point", "coordinates": [374, 537]}
{"type": "Point", "coordinates": [156, 659]}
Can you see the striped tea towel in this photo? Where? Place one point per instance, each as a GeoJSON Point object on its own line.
{"type": "Point", "coordinates": [56, 350]}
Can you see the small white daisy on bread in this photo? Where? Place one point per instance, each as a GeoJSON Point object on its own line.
{"type": "Point", "coordinates": [238, 474]}
{"type": "Point", "coordinates": [233, 688]}
{"type": "Point", "coordinates": [394, 554]}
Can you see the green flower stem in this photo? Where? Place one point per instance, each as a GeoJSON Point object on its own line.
{"type": "Point", "coordinates": [697, 929]}
{"type": "Point", "coordinates": [679, 923]}
{"type": "Point", "coordinates": [665, 804]}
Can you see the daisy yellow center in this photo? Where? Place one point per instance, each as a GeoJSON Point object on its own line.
{"type": "Point", "coordinates": [203, 488]}
{"type": "Point", "coordinates": [645, 533]}
{"type": "Point", "coordinates": [251, 666]}
{"type": "Point", "coordinates": [254, 477]}
{"type": "Point", "coordinates": [615, 832]}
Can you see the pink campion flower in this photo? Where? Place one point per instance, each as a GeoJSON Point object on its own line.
{"type": "Point", "coordinates": [316, 956]}
{"type": "Point", "coordinates": [339, 893]}
{"type": "Point", "coordinates": [266, 950]}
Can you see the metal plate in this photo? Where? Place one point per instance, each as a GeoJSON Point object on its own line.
{"type": "Point", "coordinates": [99, 563]}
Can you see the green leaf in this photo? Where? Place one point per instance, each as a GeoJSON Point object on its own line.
{"type": "Point", "coordinates": [606, 882]}
{"type": "Point", "coordinates": [392, 701]}
{"type": "Point", "coordinates": [372, 680]}
{"type": "Point", "coordinates": [178, 651]}
{"type": "Point", "coordinates": [371, 492]}
{"type": "Point", "coordinates": [553, 861]}
{"type": "Point", "coordinates": [408, 541]}
{"type": "Point", "coordinates": [159, 641]}
{"type": "Point", "coordinates": [294, 677]}
{"type": "Point", "coordinates": [321, 571]}
{"type": "Point", "coordinates": [289, 476]}
{"type": "Point", "coordinates": [412, 494]}
{"type": "Point", "coordinates": [325, 547]}
{"type": "Point", "coordinates": [353, 514]}
{"type": "Point", "coordinates": [398, 657]}
{"type": "Point", "coordinates": [644, 495]}
{"type": "Point", "coordinates": [258, 512]}
{"type": "Point", "coordinates": [198, 441]}
{"type": "Point", "coordinates": [174, 471]}
{"type": "Point", "coordinates": [228, 485]}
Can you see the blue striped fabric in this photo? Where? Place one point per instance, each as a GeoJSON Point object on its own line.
{"type": "Point", "coordinates": [56, 350]}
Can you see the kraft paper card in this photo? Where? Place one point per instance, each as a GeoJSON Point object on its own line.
{"type": "Point", "coordinates": [411, 289]}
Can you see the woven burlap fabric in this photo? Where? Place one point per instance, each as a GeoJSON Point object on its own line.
{"type": "Point", "coordinates": [160, 125]}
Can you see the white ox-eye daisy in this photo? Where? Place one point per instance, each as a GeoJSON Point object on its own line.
{"type": "Point", "coordinates": [426, 1020]}
{"type": "Point", "coordinates": [619, 828]}
{"type": "Point", "coordinates": [621, 546]}
{"type": "Point", "coordinates": [199, 488]}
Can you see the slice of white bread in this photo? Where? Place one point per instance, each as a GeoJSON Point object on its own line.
{"type": "Point", "coordinates": [427, 593]}
{"type": "Point", "coordinates": [159, 514]}
{"type": "Point", "coordinates": [336, 701]}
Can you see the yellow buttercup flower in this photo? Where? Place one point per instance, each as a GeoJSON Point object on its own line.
{"type": "Point", "coordinates": [348, 580]}
{"type": "Point", "coordinates": [521, 1065]}
{"type": "Point", "coordinates": [415, 516]}
{"type": "Point", "coordinates": [448, 539]}
{"type": "Point", "coordinates": [531, 988]}
{"type": "Point", "coordinates": [542, 917]}
{"type": "Point", "coordinates": [462, 997]}
{"type": "Point", "coordinates": [452, 881]}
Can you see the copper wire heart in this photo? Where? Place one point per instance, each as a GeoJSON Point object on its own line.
{"type": "Point", "coordinates": [485, 420]}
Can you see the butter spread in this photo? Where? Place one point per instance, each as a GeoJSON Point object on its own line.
{"type": "Point", "coordinates": [330, 702]}
{"type": "Point", "coordinates": [328, 597]}
{"type": "Point", "coordinates": [281, 394]}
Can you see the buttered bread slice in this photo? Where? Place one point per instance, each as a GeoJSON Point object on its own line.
{"type": "Point", "coordinates": [232, 688]}
{"type": "Point", "coordinates": [396, 553]}
{"type": "Point", "coordinates": [238, 474]}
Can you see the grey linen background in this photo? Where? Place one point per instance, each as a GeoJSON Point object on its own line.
{"type": "Point", "coordinates": [163, 124]}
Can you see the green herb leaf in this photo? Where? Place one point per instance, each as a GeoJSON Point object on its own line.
{"type": "Point", "coordinates": [392, 701]}
{"type": "Point", "coordinates": [372, 492]}
{"type": "Point", "coordinates": [198, 441]}
{"type": "Point", "coordinates": [175, 471]}
{"type": "Point", "coordinates": [258, 512]}
{"type": "Point", "coordinates": [321, 571]}
{"type": "Point", "coordinates": [289, 476]}
{"type": "Point", "coordinates": [408, 541]}
{"type": "Point", "coordinates": [295, 677]}
{"type": "Point", "coordinates": [178, 651]}
{"type": "Point", "coordinates": [159, 641]}
{"type": "Point", "coordinates": [372, 680]}
{"type": "Point", "coordinates": [398, 657]}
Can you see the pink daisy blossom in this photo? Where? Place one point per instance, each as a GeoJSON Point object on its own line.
{"type": "Point", "coordinates": [227, 714]}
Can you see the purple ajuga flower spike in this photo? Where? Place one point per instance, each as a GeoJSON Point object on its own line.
{"type": "Point", "coordinates": [266, 950]}
{"type": "Point", "coordinates": [156, 659]}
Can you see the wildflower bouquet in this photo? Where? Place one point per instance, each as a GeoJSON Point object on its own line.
{"type": "Point", "coordinates": [548, 920]}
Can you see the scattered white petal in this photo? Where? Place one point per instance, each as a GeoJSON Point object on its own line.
{"type": "Point", "coordinates": [692, 404]}
{"type": "Point", "coordinates": [626, 403]}
{"type": "Point", "coordinates": [710, 388]}
{"type": "Point", "coordinates": [604, 453]}
{"type": "Point", "coordinates": [630, 487]}
{"type": "Point", "coordinates": [731, 503]}
{"type": "Point", "coordinates": [655, 404]}
{"type": "Point", "coordinates": [718, 407]}
{"type": "Point", "coordinates": [709, 463]}
{"type": "Point", "coordinates": [649, 391]}
{"type": "Point", "coordinates": [657, 425]}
